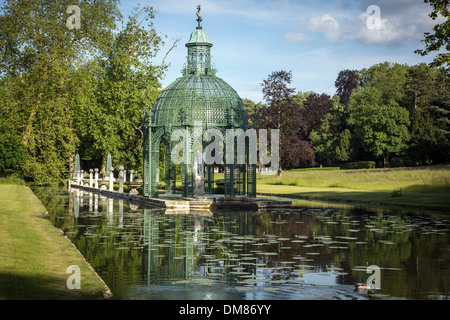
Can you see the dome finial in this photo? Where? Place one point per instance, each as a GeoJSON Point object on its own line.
{"type": "Point", "coordinates": [199, 19]}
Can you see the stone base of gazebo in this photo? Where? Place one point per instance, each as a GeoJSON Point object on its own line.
{"type": "Point", "coordinates": [200, 203]}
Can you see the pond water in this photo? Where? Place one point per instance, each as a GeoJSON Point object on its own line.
{"type": "Point", "coordinates": [311, 251]}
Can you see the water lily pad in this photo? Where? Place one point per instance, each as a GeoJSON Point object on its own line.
{"type": "Point", "coordinates": [239, 272]}
{"type": "Point", "coordinates": [359, 269]}
{"type": "Point", "coordinates": [297, 281]}
{"type": "Point", "coordinates": [271, 288]}
{"type": "Point", "coordinates": [243, 288]}
{"type": "Point", "coordinates": [346, 238]}
{"type": "Point", "coordinates": [269, 253]}
{"type": "Point", "coordinates": [182, 282]}
{"type": "Point", "coordinates": [277, 281]}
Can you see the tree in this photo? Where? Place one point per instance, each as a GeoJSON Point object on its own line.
{"type": "Point", "coordinates": [428, 144]}
{"type": "Point", "coordinates": [332, 141]}
{"type": "Point", "coordinates": [388, 78]}
{"type": "Point", "coordinates": [421, 86]}
{"type": "Point", "coordinates": [347, 81]}
{"type": "Point", "coordinates": [283, 113]}
{"type": "Point", "coordinates": [316, 107]}
{"type": "Point", "coordinates": [380, 126]}
{"type": "Point", "coordinates": [441, 36]}
{"type": "Point", "coordinates": [250, 108]}
{"type": "Point", "coordinates": [12, 154]}
{"type": "Point", "coordinates": [127, 82]}
{"type": "Point", "coordinates": [440, 105]}
{"type": "Point", "coordinates": [39, 56]}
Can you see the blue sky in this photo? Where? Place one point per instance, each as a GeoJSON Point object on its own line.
{"type": "Point", "coordinates": [313, 39]}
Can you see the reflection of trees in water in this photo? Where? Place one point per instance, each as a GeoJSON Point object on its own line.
{"type": "Point", "coordinates": [148, 245]}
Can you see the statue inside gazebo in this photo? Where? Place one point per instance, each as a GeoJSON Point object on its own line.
{"type": "Point", "coordinates": [195, 103]}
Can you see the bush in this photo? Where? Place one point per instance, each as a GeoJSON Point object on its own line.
{"type": "Point", "coordinates": [316, 168]}
{"type": "Point", "coordinates": [12, 155]}
{"type": "Point", "coordinates": [400, 162]}
{"type": "Point", "coordinates": [219, 190]}
{"type": "Point", "coordinates": [358, 165]}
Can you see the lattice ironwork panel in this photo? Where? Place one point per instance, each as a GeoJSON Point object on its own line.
{"type": "Point", "coordinates": [199, 96]}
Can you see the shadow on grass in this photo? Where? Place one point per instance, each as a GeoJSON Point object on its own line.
{"type": "Point", "coordinates": [20, 287]}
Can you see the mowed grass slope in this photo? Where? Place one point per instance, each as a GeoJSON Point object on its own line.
{"type": "Point", "coordinates": [420, 186]}
{"type": "Point", "coordinates": [34, 256]}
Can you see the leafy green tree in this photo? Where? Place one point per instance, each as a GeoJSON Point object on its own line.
{"type": "Point", "coordinates": [67, 90]}
{"type": "Point", "coordinates": [251, 107]}
{"type": "Point", "coordinates": [381, 127]}
{"type": "Point", "coordinates": [424, 85]}
{"type": "Point", "coordinates": [39, 56]}
{"type": "Point", "coordinates": [12, 155]}
{"type": "Point", "coordinates": [428, 144]}
{"type": "Point", "coordinates": [300, 98]}
{"type": "Point", "coordinates": [441, 36]}
{"type": "Point", "coordinates": [332, 141]}
{"type": "Point", "coordinates": [127, 81]}
{"type": "Point", "coordinates": [388, 78]}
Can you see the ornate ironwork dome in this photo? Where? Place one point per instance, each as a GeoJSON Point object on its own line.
{"type": "Point", "coordinates": [199, 95]}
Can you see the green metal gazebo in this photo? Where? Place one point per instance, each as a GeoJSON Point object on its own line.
{"type": "Point", "coordinates": [197, 101]}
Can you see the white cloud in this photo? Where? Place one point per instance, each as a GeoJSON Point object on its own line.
{"type": "Point", "coordinates": [293, 36]}
{"type": "Point", "coordinates": [401, 21]}
{"type": "Point", "coordinates": [393, 31]}
{"type": "Point", "coordinates": [327, 25]}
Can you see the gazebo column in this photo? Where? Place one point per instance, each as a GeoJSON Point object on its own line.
{"type": "Point", "coordinates": [170, 171]}
{"type": "Point", "coordinates": [229, 180]}
{"type": "Point", "coordinates": [209, 179]}
{"type": "Point", "coordinates": [148, 174]}
{"type": "Point", "coordinates": [251, 180]}
{"type": "Point", "coordinates": [188, 166]}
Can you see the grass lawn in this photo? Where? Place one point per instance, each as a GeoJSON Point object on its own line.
{"type": "Point", "coordinates": [34, 256]}
{"type": "Point", "coordinates": [421, 186]}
